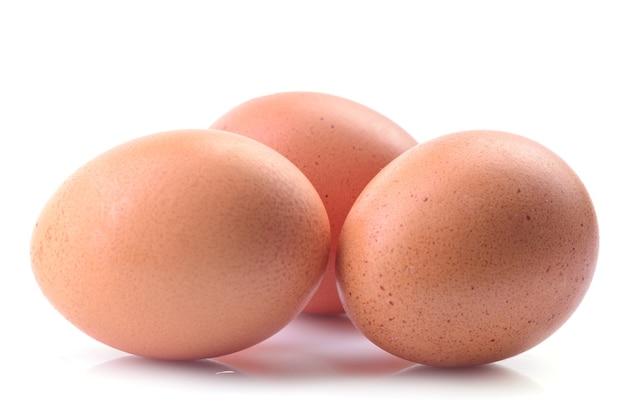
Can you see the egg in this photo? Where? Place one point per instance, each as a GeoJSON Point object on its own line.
{"type": "Point", "coordinates": [180, 245]}
{"type": "Point", "coordinates": [467, 249]}
{"type": "Point", "coordinates": [337, 143]}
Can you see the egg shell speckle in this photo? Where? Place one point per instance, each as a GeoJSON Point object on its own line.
{"type": "Point", "coordinates": [470, 248]}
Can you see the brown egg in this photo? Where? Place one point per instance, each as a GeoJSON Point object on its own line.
{"type": "Point", "coordinates": [182, 245]}
{"type": "Point", "coordinates": [467, 249]}
{"type": "Point", "coordinates": [339, 145]}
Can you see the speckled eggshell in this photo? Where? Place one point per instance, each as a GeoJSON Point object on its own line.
{"type": "Point", "coordinates": [182, 245]}
{"type": "Point", "coordinates": [339, 145]}
{"type": "Point", "coordinates": [468, 249]}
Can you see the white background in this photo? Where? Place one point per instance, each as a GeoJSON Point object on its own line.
{"type": "Point", "coordinates": [78, 77]}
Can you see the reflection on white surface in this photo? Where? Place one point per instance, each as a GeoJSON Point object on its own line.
{"type": "Point", "coordinates": [316, 346]}
{"type": "Point", "coordinates": [309, 365]}
{"type": "Point", "coordinates": [312, 350]}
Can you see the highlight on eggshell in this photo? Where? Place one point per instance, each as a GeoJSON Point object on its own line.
{"type": "Point", "coordinates": [182, 245]}
{"type": "Point", "coordinates": [467, 249]}
{"type": "Point", "coordinates": [339, 144]}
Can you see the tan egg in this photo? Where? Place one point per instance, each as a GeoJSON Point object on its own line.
{"type": "Point", "coordinates": [339, 145]}
{"type": "Point", "coordinates": [182, 245]}
{"type": "Point", "coordinates": [468, 249]}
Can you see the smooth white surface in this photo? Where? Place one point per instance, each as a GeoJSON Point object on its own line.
{"type": "Point", "coordinates": [77, 78]}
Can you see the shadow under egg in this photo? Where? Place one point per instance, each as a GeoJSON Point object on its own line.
{"type": "Point", "coordinates": [140, 371]}
{"type": "Point", "coordinates": [490, 378]}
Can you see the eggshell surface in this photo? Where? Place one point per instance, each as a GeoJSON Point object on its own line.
{"type": "Point", "coordinates": [182, 245]}
{"type": "Point", "coordinates": [468, 249]}
{"type": "Point", "coordinates": [337, 143]}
